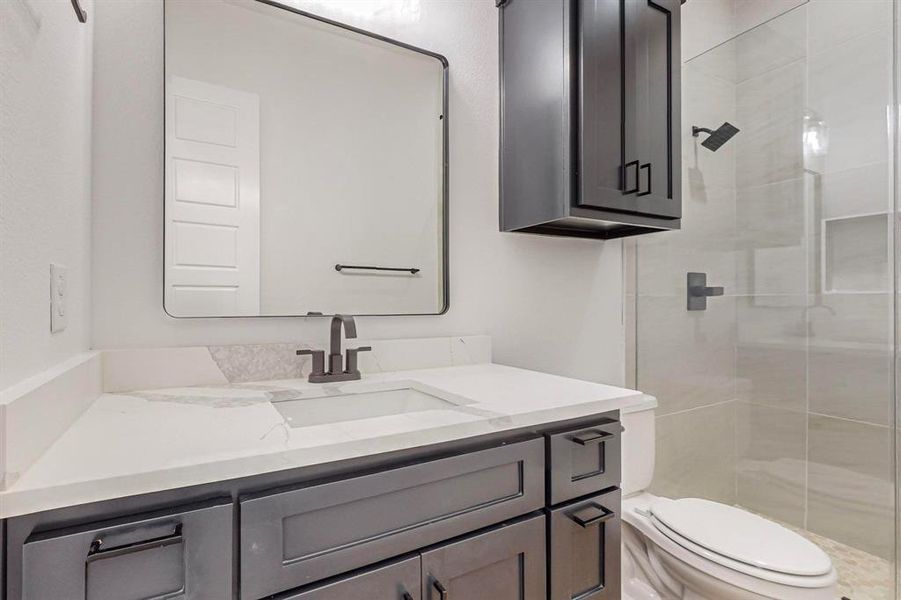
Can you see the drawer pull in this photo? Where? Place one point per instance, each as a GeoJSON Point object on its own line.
{"type": "Point", "coordinates": [442, 591]}
{"type": "Point", "coordinates": [97, 552]}
{"type": "Point", "coordinates": [591, 515]}
{"type": "Point", "coordinates": [591, 437]}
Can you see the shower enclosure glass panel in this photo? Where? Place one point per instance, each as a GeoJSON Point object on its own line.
{"type": "Point", "coordinates": [779, 396]}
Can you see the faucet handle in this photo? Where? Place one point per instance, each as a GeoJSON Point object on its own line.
{"type": "Point", "coordinates": [352, 358]}
{"type": "Point", "coordinates": [318, 360]}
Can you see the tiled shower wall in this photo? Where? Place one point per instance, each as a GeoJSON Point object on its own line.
{"type": "Point", "coordinates": [779, 397]}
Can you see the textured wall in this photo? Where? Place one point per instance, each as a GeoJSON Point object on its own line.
{"type": "Point", "coordinates": [550, 304]}
{"type": "Point", "coordinates": [45, 168]}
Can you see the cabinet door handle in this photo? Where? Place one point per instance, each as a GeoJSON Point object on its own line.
{"type": "Point", "coordinates": [625, 174]}
{"type": "Point", "coordinates": [442, 591]}
{"type": "Point", "coordinates": [98, 552]}
{"type": "Point", "coordinates": [591, 515]}
{"type": "Point", "coordinates": [587, 437]}
{"type": "Point", "coordinates": [638, 178]}
{"type": "Point", "coordinates": [407, 596]}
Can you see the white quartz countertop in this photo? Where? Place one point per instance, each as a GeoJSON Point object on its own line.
{"type": "Point", "coordinates": [140, 442]}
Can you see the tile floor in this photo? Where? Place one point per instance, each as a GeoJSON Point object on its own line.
{"type": "Point", "coordinates": [862, 576]}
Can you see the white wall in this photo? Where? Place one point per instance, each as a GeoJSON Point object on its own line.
{"type": "Point", "coordinates": [550, 304]}
{"type": "Point", "coordinates": [45, 181]}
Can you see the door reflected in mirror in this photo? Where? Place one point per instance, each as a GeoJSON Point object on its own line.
{"type": "Point", "coordinates": [305, 166]}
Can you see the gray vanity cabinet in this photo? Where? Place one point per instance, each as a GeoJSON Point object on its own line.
{"type": "Point", "coordinates": [396, 581]}
{"type": "Point", "coordinates": [532, 515]}
{"type": "Point", "coordinates": [506, 563]}
{"type": "Point", "coordinates": [590, 117]}
{"type": "Point", "coordinates": [184, 554]}
{"type": "Point", "coordinates": [585, 549]}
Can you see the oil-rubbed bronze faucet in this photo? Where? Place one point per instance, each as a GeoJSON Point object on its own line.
{"type": "Point", "coordinates": [337, 371]}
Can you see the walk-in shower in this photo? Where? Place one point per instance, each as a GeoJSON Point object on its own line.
{"type": "Point", "coordinates": [780, 396]}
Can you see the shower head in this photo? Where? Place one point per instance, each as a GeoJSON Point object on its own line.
{"type": "Point", "coordinates": [717, 138]}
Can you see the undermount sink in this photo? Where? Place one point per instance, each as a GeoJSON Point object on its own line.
{"type": "Point", "coordinates": [353, 406]}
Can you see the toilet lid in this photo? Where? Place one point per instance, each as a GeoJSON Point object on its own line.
{"type": "Point", "coordinates": [741, 536]}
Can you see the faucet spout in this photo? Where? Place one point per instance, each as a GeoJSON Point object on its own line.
{"type": "Point", "coordinates": [350, 331]}
{"type": "Point", "coordinates": [335, 360]}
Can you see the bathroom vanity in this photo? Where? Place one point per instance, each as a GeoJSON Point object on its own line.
{"type": "Point", "coordinates": [472, 520]}
{"type": "Point", "coordinates": [220, 472]}
{"type": "Point", "coordinates": [511, 490]}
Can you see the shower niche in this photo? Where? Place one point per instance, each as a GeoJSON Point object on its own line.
{"type": "Point", "coordinates": [590, 117]}
{"type": "Point", "coordinates": [856, 254]}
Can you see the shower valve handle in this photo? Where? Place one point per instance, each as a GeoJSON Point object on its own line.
{"type": "Point", "coordinates": [698, 291]}
{"type": "Point", "coordinates": [707, 291]}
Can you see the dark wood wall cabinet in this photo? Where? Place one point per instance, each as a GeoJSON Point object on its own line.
{"type": "Point", "coordinates": [533, 515]}
{"type": "Point", "coordinates": [590, 127]}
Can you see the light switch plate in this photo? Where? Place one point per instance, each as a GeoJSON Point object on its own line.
{"type": "Point", "coordinates": [59, 282]}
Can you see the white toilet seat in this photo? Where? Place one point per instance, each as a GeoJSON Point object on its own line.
{"type": "Point", "coordinates": [738, 539]}
{"type": "Point", "coordinates": [759, 582]}
{"type": "Point", "coordinates": [755, 572]}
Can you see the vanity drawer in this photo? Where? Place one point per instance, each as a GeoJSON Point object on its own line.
{"type": "Point", "coordinates": [585, 549]}
{"type": "Point", "coordinates": [397, 581]}
{"type": "Point", "coordinates": [293, 538]}
{"type": "Point", "coordinates": [584, 461]}
{"type": "Point", "coordinates": [184, 554]}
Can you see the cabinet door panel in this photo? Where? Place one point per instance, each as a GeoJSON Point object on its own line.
{"type": "Point", "coordinates": [601, 117]}
{"type": "Point", "coordinates": [629, 106]}
{"type": "Point", "coordinates": [585, 549]}
{"type": "Point", "coordinates": [635, 109]}
{"type": "Point", "coordinates": [659, 131]}
{"type": "Point", "coordinates": [397, 581]}
{"type": "Point", "coordinates": [507, 563]}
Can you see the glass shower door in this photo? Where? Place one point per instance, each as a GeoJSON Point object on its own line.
{"type": "Point", "coordinates": [779, 396]}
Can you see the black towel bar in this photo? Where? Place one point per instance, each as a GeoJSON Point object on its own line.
{"type": "Point", "coordinates": [411, 270]}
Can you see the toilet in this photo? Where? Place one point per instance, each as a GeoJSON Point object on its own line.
{"type": "Point", "coordinates": [696, 549]}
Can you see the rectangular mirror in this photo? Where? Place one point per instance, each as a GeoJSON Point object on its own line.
{"type": "Point", "coordinates": [306, 166]}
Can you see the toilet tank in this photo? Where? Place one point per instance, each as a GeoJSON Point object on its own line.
{"type": "Point", "coordinates": [638, 450]}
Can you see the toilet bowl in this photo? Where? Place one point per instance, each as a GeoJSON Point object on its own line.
{"type": "Point", "coordinates": [696, 549]}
